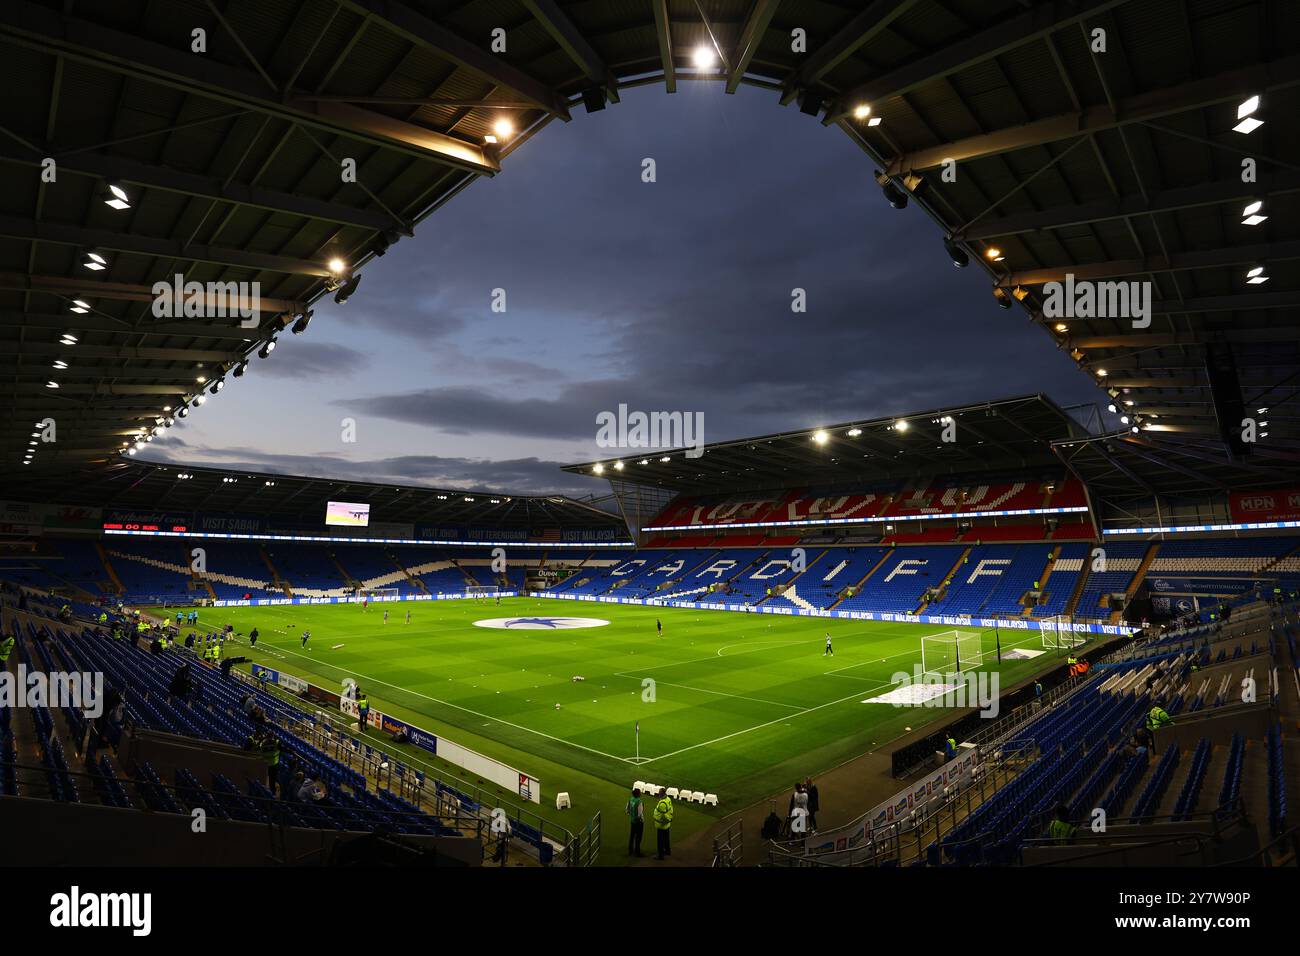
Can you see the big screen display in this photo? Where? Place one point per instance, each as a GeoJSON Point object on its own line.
{"type": "Point", "coordinates": [347, 514]}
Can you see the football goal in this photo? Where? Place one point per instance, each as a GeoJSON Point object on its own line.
{"type": "Point", "coordinates": [379, 594]}
{"type": "Point", "coordinates": [1058, 635]}
{"type": "Point", "coordinates": [951, 652]}
{"type": "Point", "coordinates": [483, 592]}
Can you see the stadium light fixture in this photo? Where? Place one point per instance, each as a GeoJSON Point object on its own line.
{"type": "Point", "coordinates": [183, 411]}
{"type": "Point", "coordinates": [645, 461]}
{"type": "Point", "coordinates": [79, 306]}
{"type": "Point", "coordinates": [115, 197]}
{"type": "Point", "coordinates": [854, 432]}
{"type": "Point", "coordinates": [1002, 296]}
{"type": "Point", "coordinates": [386, 239]}
{"type": "Point", "coordinates": [95, 262]}
{"type": "Point", "coordinates": [60, 364]}
{"type": "Point", "coordinates": [1251, 214]}
{"type": "Point", "coordinates": [618, 466]}
{"type": "Point", "coordinates": [1256, 276]}
{"type": "Point", "coordinates": [337, 266]}
{"type": "Point", "coordinates": [503, 128]}
{"type": "Point", "coordinates": [346, 290]}
{"type": "Point", "coordinates": [218, 385]}
{"type": "Point", "coordinates": [490, 139]}
{"type": "Point", "coordinates": [51, 384]}
{"type": "Point", "coordinates": [665, 459]}
{"type": "Point", "coordinates": [704, 57]}
{"type": "Point", "coordinates": [819, 436]}
{"type": "Point", "coordinates": [267, 347]}
{"type": "Point", "coordinates": [893, 195]}
{"type": "Point", "coordinates": [956, 253]}
{"type": "Point", "coordinates": [199, 399]}
{"type": "Point", "coordinates": [201, 379]}
{"type": "Point", "coordinates": [1112, 408]}
{"type": "Point", "coordinates": [238, 371]}
{"type": "Point", "coordinates": [68, 339]}
{"type": "Point", "coordinates": [993, 254]}
{"type": "Point", "coordinates": [1062, 327]}
{"type": "Point", "coordinates": [1247, 123]}
{"type": "Point", "coordinates": [901, 425]}
{"type": "Point", "coordinates": [599, 469]}
{"type": "Point", "coordinates": [874, 121]}
{"type": "Point", "coordinates": [861, 111]}
{"type": "Point", "coordinates": [1019, 293]}
{"type": "Point", "coordinates": [1102, 373]}
{"type": "Point", "coordinates": [304, 320]}
{"type": "Point", "coordinates": [131, 450]}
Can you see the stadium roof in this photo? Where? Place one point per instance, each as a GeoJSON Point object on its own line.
{"type": "Point", "coordinates": [1003, 437]}
{"type": "Point", "coordinates": [1114, 165]}
{"type": "Point", "coordinates": [145, 486]}
{"type": "Point", "coordinates": [1009, 435]}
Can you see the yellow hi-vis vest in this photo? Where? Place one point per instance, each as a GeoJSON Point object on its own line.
{"type": "Point", "coordinates": [664, 814]}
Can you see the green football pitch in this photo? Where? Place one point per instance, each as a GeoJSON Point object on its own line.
{"type": "Point", "coordinates": [730, 703]}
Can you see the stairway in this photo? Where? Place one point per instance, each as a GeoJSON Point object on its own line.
{"type": "Point", "coordinates": [947, 578]}
{"type": "Point", "coordinates": [1044, 577]}
{"type": "Point", "coordinates": [108, 566]}
{"type": "Point", "coordinates": [1117, 616]}
{"type": "Point", "coordinates": [1082, 582]}
{"type": "Point", "coordinates": [874, 568]}
{"type": "Point", "coordinates": [275, 575]}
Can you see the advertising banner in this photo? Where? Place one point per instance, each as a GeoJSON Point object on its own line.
{"type": "Point", "coordinates": [1251, 506]}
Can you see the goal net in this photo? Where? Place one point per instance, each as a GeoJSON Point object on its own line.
{"type": "Point", "coordinates": [951, 652]}
{"type": "Point", "coordinates": [483, 591]}
{"type": "Point", "coordinates": [1058, 635]}
{"type": "Point", "coordinates": [379, 594]}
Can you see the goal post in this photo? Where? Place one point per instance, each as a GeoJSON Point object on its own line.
{"type": "Point", "coordinates": [1057, 633]}
{"type": "Point", "coordinates": [379, 594]}
{"type": "Point", "coordinates": [951, 652]}
{"type": "Point", "coordinates": [483, 591]}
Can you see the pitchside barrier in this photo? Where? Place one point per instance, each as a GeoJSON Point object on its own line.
{"type": "Point", "coordinates": [960, 620]}
{"type": "Point", "coordinates": [847, 844]}
{"type": "Point", "coordinates": [268, 602]}
{"type": "Point", "coordinates": [525, 785]}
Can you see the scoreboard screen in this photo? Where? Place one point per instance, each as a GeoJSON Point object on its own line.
{"type": "Point", "coordinates": [347, 514]}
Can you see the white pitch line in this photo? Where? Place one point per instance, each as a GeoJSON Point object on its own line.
{"type": "Point", "coordinates": [720, 693]}
{"type": "Point", "coordinates": [715, 740]}
{"type": "Point", "coordinates": [447, 703]}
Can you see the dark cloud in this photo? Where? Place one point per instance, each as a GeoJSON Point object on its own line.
{"type": "Point", "coordinates": [666, 296]}
{"type": "Point", "coordinates": [517, 476]}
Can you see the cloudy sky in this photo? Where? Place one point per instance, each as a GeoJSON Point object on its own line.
{"type": "Point", "coordinates": [666, 296]}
